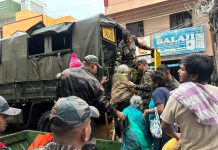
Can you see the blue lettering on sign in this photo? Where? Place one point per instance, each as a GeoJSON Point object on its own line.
{"type": "Point", "coordinates": [181, 41]}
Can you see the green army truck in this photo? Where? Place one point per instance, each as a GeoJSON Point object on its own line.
{"type": "Point", "coordinates": [29, 63]}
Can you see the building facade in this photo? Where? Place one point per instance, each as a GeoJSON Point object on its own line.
{"type": "Point", "coordinates": [26, 19]}
{"type": "Point", "coordinates": [33, 5]}
{"type": "Point", "coordinates": [8, 8]}
{"type": "Point", "coordinates": [169, 24]}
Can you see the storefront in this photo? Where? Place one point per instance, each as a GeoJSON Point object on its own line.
{"type": "Point", "coordinates": [174, 45]}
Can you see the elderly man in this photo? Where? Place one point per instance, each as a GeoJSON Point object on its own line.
{"type": "Point", "coordinates": [70, 124]}
{"type": "Point", "coordinates": [6, 112]}
{"type": "Point", "coordinates": [193, 105]}
{"type": "Point", "coordinates": [81, 82]}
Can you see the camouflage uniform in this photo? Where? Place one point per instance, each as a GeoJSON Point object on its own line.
{"type": "Point", "coordinates": [80, 82]}
{"type": "Point", "coordinates": [55, 146]}
{"type": "Point", "coordinates": [172, 85]}
{"type": "Point", "coordinates": [126, 53]}
{"type": "Point", "coordinates": [66, 115]}
{"type": "Point", "coordinates": [144, 87]}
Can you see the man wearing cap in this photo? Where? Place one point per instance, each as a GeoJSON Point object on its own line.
{"type": "Point", "coordinates": [144, 86]}
{"type": "Point", "coordinates": [81, 82]}
{"type": "Point", "coordinates": [127, 47]}
{"type": "Point", "coordinates": [70, 124]}
{"type": "Point", "coordinates": [6, 112]}
{"type": "Point", "coordinates": [171, 82]}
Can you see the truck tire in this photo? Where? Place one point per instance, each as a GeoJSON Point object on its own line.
{"type": "Point", "coordinates": [43, 123]}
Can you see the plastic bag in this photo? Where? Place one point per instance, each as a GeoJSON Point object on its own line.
{"type": "Point", "coordinates": [155, 126]}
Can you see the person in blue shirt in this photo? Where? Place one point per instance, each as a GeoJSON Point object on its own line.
{"type": "Point", "coordinates": [159, 99]}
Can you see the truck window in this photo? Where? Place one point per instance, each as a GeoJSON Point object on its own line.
{"type": "Point", "coordinates": [36, 45]}
{"type": "Point", "coordinates": [61, 41]}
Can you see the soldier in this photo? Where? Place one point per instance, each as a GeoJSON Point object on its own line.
{"type": "Point", "coordinates": [127, 47]}
{"type": "Point", "coordinates": [81, 82]}
{"type": "Point", "coordinates": [171, 82]}
{"type": "Point", "coordinates": [71, 124]}
{"type": "Point", "coordinates": [6, 112]}
{"type": "Point", "coordinates": [144, 86]}
{"type": "Point", "coordinates": [193, 105]}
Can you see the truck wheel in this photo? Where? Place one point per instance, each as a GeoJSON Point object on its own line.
{"type": "Point", "coordinates": [43, 123]}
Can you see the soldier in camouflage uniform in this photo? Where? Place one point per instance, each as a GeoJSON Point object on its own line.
{"type": "Point", "coordinates": [6, 112]}
{"type": "Point", "coordinates": [82, 83]}
{"type": "Point", "coordinates": [171, 82]}
{"type": "Point", "coordinates": [71, 124]}
{"type": "Point", "coordinates": [144, 87]}
{"type": "Point", "coordinates": [127, 47]}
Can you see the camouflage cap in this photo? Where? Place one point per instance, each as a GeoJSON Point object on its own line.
{"type": "Point", "coordinates": [72, 111]}
{"type": "Point", "coordinates": [140, 61]}
{"type": "Point", "coordinates": [6, 109]}
{"type": "Point", "coordinates": [92, 59]}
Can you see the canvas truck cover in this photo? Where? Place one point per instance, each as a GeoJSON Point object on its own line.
{"type": "Point", "coordinates": [86, 35]}
{"type": "Point", "coordinates": [17, 66]}
{"type": "Point", "coordinates": [55, 29]}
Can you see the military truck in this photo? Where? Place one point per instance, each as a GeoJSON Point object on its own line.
{"type": "Point", "coordinates": [29, 63]}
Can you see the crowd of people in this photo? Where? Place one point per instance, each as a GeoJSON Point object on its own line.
{"type": "Point", "coordinates": [188, 109]}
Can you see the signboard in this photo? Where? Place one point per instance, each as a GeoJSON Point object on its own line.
{"type": "Point", "coordinates": [181, 41]}
{"type": "Point", "coordinates": [108, 33]}
{"type": "Point", "coordinates": [144, 53]}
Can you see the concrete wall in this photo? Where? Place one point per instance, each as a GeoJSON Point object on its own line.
{"type": "Point", "coordinates": [21, 26]}
{"type": "Point", "coordinates": [153, 25]}
{"type": "Point", "coordinates": [24, 14]}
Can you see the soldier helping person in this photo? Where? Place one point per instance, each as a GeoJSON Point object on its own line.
{"type": "Point", "coordinates": [81, 82]}
{"type": "Point", "coordinates": [127, 47]}
{"type": "Point", "coordinates": [144, 87]}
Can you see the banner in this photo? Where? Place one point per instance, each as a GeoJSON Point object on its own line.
{"type": "Point", "coordinates": [181, 41]}
{"type": "Point", "coordinates": [146, 54]}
